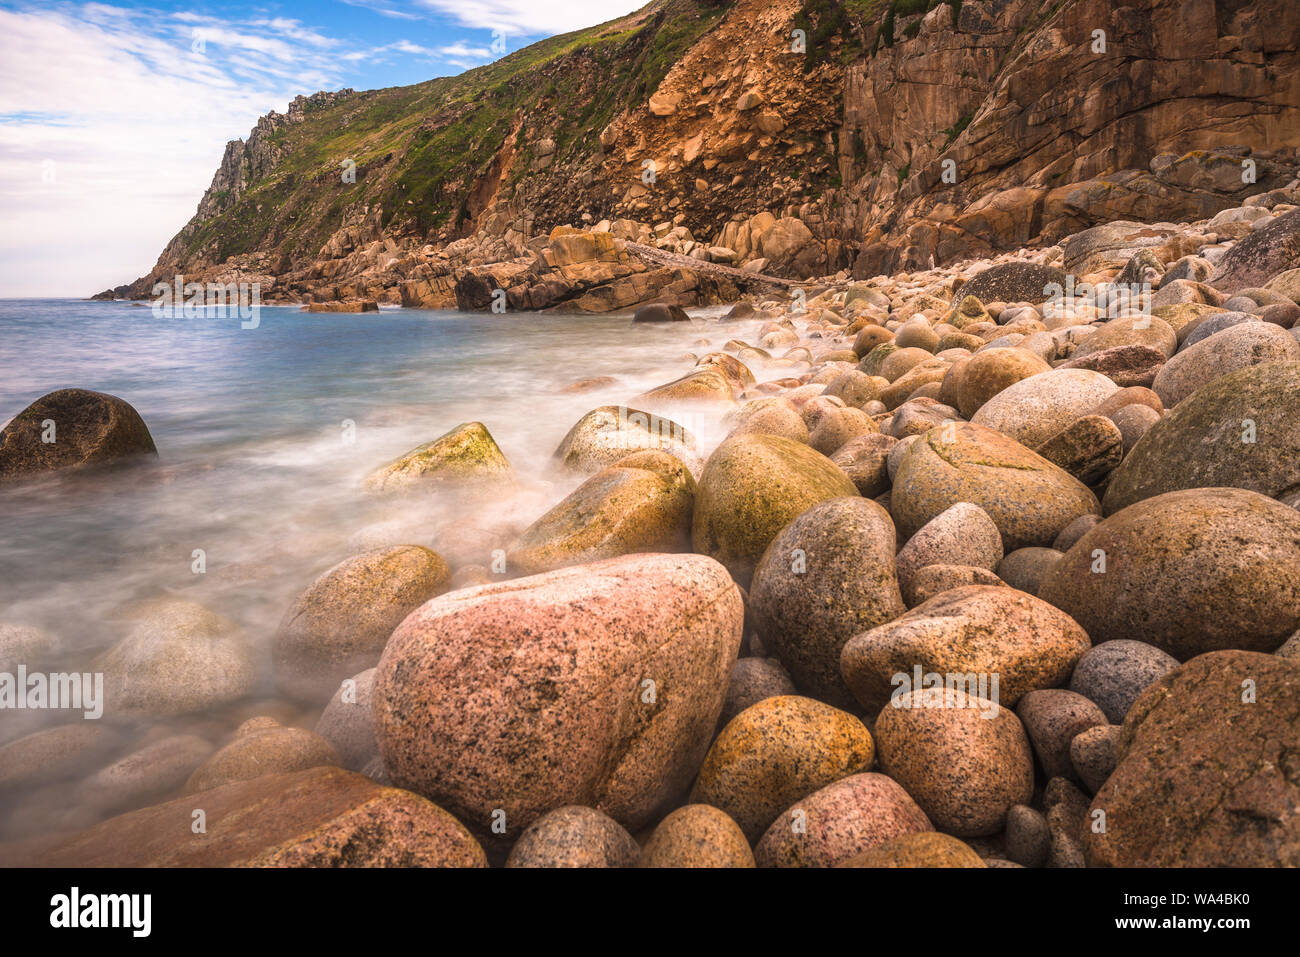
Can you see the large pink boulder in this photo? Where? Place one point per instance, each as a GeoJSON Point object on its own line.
{"type": "Point", "coordinates": [597, 685]}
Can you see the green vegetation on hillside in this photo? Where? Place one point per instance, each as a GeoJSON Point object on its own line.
{"type": "Point", "coordinates": [419, 150]}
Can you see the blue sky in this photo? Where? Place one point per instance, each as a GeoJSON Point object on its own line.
{"type": "Point", "coordinates": [114, 116]}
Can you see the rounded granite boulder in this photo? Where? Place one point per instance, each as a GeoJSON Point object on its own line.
{"type": "Point", "coordinates": [340, 624]}
{"type": "Point", "coordinates": [1207, 775]}
{"type": "Point", "coordinates": [843, 819]}
{"type": "Point", "coordinates": [1114, 673]}
{"type": "Point", "coordinates": [697, 835]}
{"type": "Point", "coordinates": [1237, 347]}
{"type": "Point", "coordinates": [574, 836]}
{"type": "Point", "coordinates": [990, 371]}
{"type": "Point", "coordinates": [1189, 572]}
{"type": "Point", "coordinates": [1239, 430]}
{"type": "Point", "coordinates": [348, 722]}
{"type": "Point", "coordinates": [962, 535]}
{"type": "Point", "coordinates": [605, 435]}
{"type": "Point", "coordinates": [263, 746]}
{"type": "Point", "coordinates": [963, 759]}
{"type": "Point", "coordinates": [752, 486]}
{"type": "Point", "coordinates": [777, 752]}
{"type": "Point", "coordinates": [466, 454]}
{"type": "Point", "coordinates": [920, 849]}
{"type": "Point", "coordinates": [597, 684]}
{"type": "Point", "coordinates": [827, 576]}
{"type": "Point", "coordinates": [1034, 409]}
{"type": "Point", "coordinates": [641, 503]}
{"type": "Point", "coordinates": [1010, 642]}
{"type": "Point", "coordinates": [70, 429]}
{"type": "Point", "coordinates": [177, 657]}
{"type": "Point", "coordinates": [1029, 499]}
{"type": "Point", "coordinates": [1052, 718]}
{"type": "Point", "coordinates": [752, 680]}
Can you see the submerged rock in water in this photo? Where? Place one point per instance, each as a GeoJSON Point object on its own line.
{"type": "Point", "coordinates": [69, 429]}
{"type": "Point", "coordinates": [340, 624]}
{"type": "Point", "coordinates": [466, 454]}
{"type": "Point", "coordinates": [322, 817]}
{"type": "Point", "coordinates": [263, 746]}
{"type": "Point", "coordinates": [661, 312]}
{"type": "Point", "coordinates": [176, 658]}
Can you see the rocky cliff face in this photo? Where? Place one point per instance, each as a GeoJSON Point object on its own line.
{"type": "Point", "coordinates": [799, 137]}
{"type": "Point", "coordinates": [1052, 117]}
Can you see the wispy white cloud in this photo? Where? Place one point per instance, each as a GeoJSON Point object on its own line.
{"type": "Point", "coordinates": [113, 120]}
{"type": "Point", "coordinates": [530, 17]}
{"type": "Point", "coordinates": [385, 8]}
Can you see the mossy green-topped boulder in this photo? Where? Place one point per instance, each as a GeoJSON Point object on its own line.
{"type": "Point", "coordinates": [752, 487]}
{"type": "Point", "coordinates": [1238, 431]}
{"type": "Point", "coordinates": [465, 454]}
{"type": "Point", "coordinates": [642, 503]}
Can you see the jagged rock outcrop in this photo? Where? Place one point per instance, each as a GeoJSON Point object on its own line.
{"type": "Point", "coordinates": [903, 135]}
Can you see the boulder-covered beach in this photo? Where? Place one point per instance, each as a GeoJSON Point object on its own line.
{"type": "Point", "coordinates": [943, 568]}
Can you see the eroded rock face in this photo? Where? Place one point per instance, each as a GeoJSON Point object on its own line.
{"type": "Point", "coordinates": [323, 817]}
{"type": "Point", "coordinates": [1189, 572]}
{"type": "Point", "coordinates": [532, 694]}
{"type": "Point", "coordinates": [1207, 775]}
{"type": "Point", "coordinates": [70, 429]}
